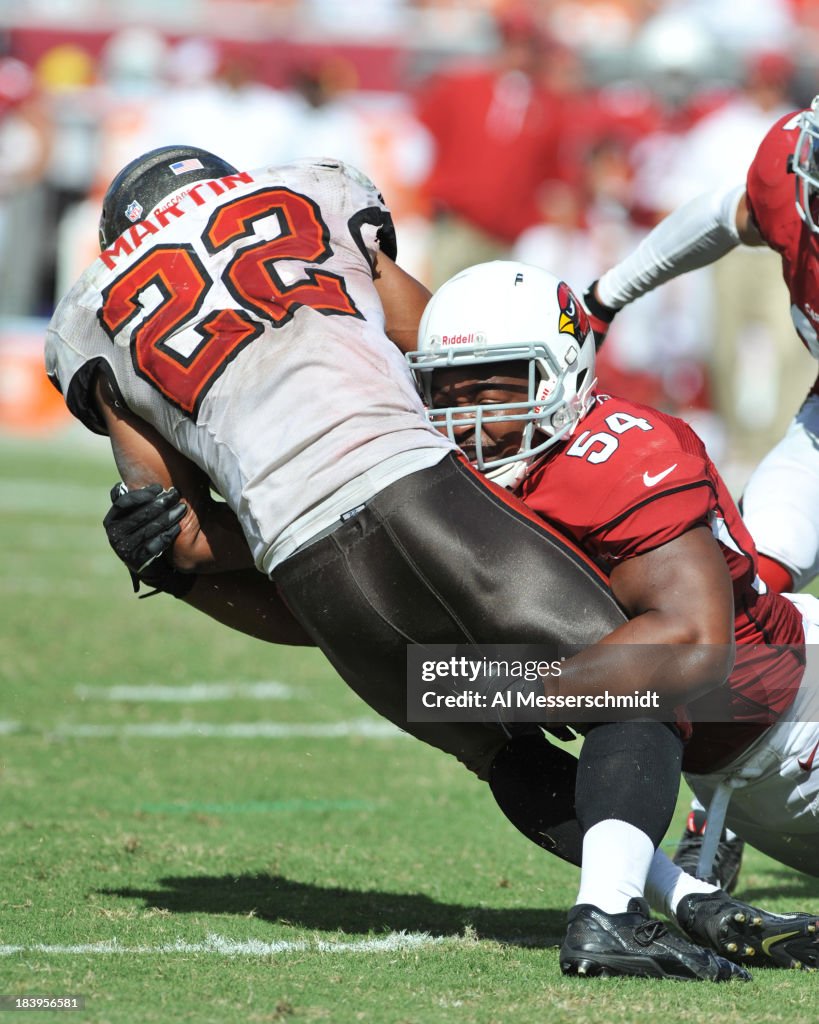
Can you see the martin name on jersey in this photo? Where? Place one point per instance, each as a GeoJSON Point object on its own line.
{"type": "Point", "coordinates": [632, 479]}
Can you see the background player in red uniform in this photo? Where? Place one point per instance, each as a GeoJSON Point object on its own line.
{"type": "Point", "coordinates": [637, 491]}
{"type": "Point", "coordinates": [778, 207]}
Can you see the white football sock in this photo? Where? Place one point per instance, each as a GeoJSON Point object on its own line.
{"type": "Point", "coordinates": [616, 860]}
{"type": "Point", "coordinates": [667, 884]}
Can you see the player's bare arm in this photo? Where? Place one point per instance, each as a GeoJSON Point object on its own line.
{"type": "Point", "coordinates": [249, 602]}
{"type": "Point", "coordinates": [403, 298]}
{"type": "Point", "coordinates": [746, 225]}
{"type": "Point", "coordinates": [678, 595]}
{"type": "Point", "coordinates": [239, 596]}
{"type": "Point", "coordinates": [210, 539]}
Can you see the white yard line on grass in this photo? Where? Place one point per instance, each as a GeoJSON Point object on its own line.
{"type": "Point", "coordinates": [218, 945]}
{"type": "Point", "coordinates": [72, 441]}
{"type": "Point", "coordinates": [191, 694]}
{"type": "Point", "coordinates": [362, 727]}
{"type": "Point", "coordinates": [27, 495]}
{"type": "Point", "coordinates": [365, 728]}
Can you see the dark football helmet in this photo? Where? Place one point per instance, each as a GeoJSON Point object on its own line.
{"type": "Point", "coordinates": [143, 183]}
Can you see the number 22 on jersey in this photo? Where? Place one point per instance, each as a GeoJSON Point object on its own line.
{"type": "Point", "coordinates": [182, 367]}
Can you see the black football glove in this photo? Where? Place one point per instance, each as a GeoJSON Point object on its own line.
{"type": "Point", "coordinates": [601, 316]}
{"type": "Point", "coordinates": [141, 526]}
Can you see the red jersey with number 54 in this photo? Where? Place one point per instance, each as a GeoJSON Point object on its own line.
{"type": "Point", "coordinates": [632, 479]}
{"type": "Point", "coordinates": [241, 319]}
{"type": "Point", "coordinates": [771, 194]}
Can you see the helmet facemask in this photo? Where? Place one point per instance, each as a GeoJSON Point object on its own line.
{"type": "Point", "coordinates": [806, 167]}
{"type": "Point", "coordinates": [545, 416]}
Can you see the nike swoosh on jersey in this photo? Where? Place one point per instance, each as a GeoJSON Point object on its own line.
{"type": "Point", "coordinates": [649, 481]}
{"type": "Point", "coordinates": [807, 764]}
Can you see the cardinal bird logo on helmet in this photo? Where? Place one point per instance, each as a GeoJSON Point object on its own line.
{"type": "Point", "coordinates": [573, 318]}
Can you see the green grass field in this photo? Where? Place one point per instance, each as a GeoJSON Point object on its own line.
{"type": "Point", "coordinates": [199, 827]}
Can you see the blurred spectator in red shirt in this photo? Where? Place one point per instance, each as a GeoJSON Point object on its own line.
{"type": "Point", "coordinates": [25, 142]}
{"type": "Point", "coordinates": [493, 129]}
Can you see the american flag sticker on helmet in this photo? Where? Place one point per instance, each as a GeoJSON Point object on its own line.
{"type": "Point", "coordinates": [181, 166]}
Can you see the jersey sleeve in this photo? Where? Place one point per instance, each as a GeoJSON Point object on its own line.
{"type": "Point", "coordinates": [69, 368]}
{"type": "Point", "coordinates": [656, 485]}
{"type": "Point", "coordinates": [650, 518]}
{"type": "Point", "coordinates": [370, 221]}
{"type": "Point", "coordinates": [633, 480]}
{"type": "Point", "coordinates": [770, 187]}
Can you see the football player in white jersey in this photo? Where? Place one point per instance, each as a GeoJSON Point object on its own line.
{"type": "Point", "coordinates": [241, 332]}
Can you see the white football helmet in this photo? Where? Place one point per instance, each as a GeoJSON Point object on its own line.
{"type": "Point", "coordinates": [806, 165]}
{"type": "Point", "coordinates": [502, 311]}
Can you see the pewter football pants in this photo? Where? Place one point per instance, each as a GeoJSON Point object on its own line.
{"type": "Point", "coordinates": [441, 556]}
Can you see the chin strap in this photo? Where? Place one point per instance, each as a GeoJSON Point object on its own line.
{"type": "Point", "coordinates": [511, 476]}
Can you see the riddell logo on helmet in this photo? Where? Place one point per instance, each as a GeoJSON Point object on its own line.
{"type": "Point", "coordinates": [457, 339]}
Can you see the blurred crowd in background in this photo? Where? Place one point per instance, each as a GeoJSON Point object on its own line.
{"type": "Point", "coordinates": [551, 131]}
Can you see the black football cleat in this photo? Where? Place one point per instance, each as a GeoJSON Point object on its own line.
{"type": "Point", "coordinates": [747, 935]}
{"type": "Point", "coordinates": [727, 859]}
{"type": "Point", "coordinates": [605, 945]}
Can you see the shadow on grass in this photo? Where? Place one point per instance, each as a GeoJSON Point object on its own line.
{"type": "Point", "coordinates": [779, 883]}
{"type": "Point", "coordinates": [284, 901]}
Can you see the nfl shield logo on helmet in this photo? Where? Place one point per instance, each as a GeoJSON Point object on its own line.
{"type": "Point", "coordinates": [133, 211]}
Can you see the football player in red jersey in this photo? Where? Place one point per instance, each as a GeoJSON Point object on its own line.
{"type": "Point", "coordinates": [636, 490]}
{"type": "Point", "coordinates": [778, 206]}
